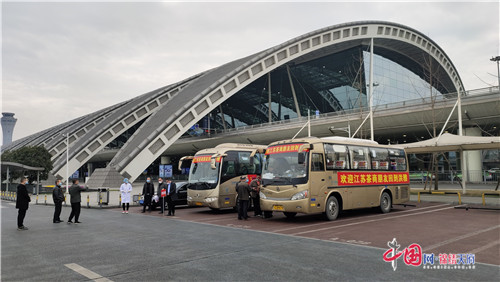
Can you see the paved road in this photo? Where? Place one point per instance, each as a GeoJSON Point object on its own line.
{"type": "Point", "coordinates": [138, 247]}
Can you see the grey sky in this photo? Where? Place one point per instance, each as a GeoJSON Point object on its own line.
{"type": "Point", "coordinates": [64, 60]}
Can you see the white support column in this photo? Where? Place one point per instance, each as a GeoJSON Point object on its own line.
{"type": "Point", "coordinates": [371, 90]}
{"type": "Point", "coordinates": [474, 164]}
{"type": "Point", "coordinates": [293, 92]}
{"type": "Point", "coordinates": [269, 99]}
{"type": "Point", "coordinates": [308, 123]}
{"type": "Point", "coordinates": [67, 163]}
{"type": "Point", "coordinates": [460, 133]}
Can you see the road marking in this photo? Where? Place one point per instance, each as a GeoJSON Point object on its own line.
{"type": "Point", "coordinates": [485, 247]}
{"type": "Point", "coordinates": [460, 238]}
{"type": "Point", "coordinates": [87, 272]}
{"type": "Point", "coordinates": [221, 219]}
{"type": "Point", "coordinates": [357, 218]}
{"type": "Point", "coordinates": [369, 221]}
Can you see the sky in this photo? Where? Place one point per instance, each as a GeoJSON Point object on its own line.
{"type": "Point", "coordinates": [62, 60]}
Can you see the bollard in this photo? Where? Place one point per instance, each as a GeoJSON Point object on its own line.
{"type": "Point", "coordinates": [88, 201]}
{"type": "Point", "coordinates": [120, 201]}
{"type": "Point", "coordinates": [65, 201]}
{"type": "Point", "coordinates": [45, 199]}
{"type": "Point", "coordinates": [36, 199]}
{"type": "Point", "coordinates": [100, 199]}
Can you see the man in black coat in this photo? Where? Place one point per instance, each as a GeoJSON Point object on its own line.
{"type": "Point", "coordinates": [58, 197]}
{"type": "Point", "coordinates": [76, 199]}
{"type": "Point", "coordinates": [161, 185]}
{"type": "Point", "coordinates": [243, 190]}
{"type": "Point", "coordinates": [22, 203]}
{"type": "Point", "coordinates": [170, 193]}
{"type": "Point", "coordinates": [148, 190]}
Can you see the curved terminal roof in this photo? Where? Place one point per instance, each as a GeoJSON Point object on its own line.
{"type": "Point", "coordinates": [396, 41]}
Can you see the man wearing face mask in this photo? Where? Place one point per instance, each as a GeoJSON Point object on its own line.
{"type": "Point", "coordinates": [58, 197]}
{"type": "Point", "coordinates": [161, 186]}
{"type": "Point", "coordinates": [147, 191]}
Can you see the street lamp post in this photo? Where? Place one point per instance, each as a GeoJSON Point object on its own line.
{"type": "Point", "coordinates": [497, 59]}
{"type": "Point", "coordinates": [67, 163]}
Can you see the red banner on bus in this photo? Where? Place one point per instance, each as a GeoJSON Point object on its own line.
{"type": "Point", "coordinates": [204, 159]}
{"type": "Point", "coordinates": [349, 178]}
{"type": "Point", "coordinates": [279, 149]}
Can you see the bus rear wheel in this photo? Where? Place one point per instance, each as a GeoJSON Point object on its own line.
{"type": "Point", "coordinates": [385, 202]}
{"type": "Point", "coordinates": [290, 214]}
{"type": "Point", "coordinates": [332, 208]}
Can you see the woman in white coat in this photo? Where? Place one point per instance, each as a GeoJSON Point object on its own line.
{"type": "Point", "coordinates": [126, 191]}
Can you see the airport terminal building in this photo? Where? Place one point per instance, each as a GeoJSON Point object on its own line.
{"type": "Point", "coordinates": [323, 75]}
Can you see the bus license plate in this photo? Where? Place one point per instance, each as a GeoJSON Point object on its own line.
{"type": "Point", "coordinates": [199, 204]}
{"type": "Point", "coordinates": [278, 208]}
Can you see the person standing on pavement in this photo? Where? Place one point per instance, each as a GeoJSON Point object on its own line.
{"type": "Point", "coordinates": [58, 197]}
{"type": "Point", "coordinates": [243, 190]}
{"type": "Point", "coordinates": [147, 191]}
{"type": "Point", "coordinates": [170, 193]}
{"type": "Point", "coordinates": [76, 199]}
{"type": "Point", "coordinates": [126, 191]}
{"type": "Point", "coordinates": [161, 186]}
{"type": "Point", "coordinates": [255, 194]}
{"type": "Point", "coordinates": [22, 203]}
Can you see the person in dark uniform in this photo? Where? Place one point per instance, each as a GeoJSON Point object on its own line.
{"type": "Point", "coordinates": [170, 193]}
{"type": "Point", "coordinates": [58, 197]}
{"type": "Point", "coordinates": [148, 190]}
{"type": "Point", "coordinates": [22, 203]}
{"type": "Point", "coordinates": [243, 190]}
{"type": "Point", "coordinates": [76, 199]}
{"type": "Point", "coordinates": [255, 185]}
{"type": "Point", "coordinates": [161, 186]}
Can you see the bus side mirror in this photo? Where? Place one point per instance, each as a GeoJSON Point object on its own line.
{"type": "Point", "coordinates": [302, 158]}
{"type": "Point", "coordinates": [182, 160]}
{"type": "Point", "coordinates": [213, 164]}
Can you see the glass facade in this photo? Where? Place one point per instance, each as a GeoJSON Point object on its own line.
{"type": "Point", "coordinates": [327, 83]}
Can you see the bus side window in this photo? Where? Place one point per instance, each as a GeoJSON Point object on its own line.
{"type": "Point", "coordinates": [317, 163]}
{"type": "Point", "coordinates": [397, 159]}
{"type": "Point", "coordinates": [359, 157]}
{"type": "Point", "coordinates": [379, 158]}
{"type": "Point", "coordinates": [336, 157]}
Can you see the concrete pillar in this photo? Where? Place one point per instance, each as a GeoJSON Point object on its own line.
{"type": "Point", "coordinates": [165, 160]}
{"type": "Point", "coordinates": [473, 162]}
{"type": "Point", "coordinates": [90, 168]}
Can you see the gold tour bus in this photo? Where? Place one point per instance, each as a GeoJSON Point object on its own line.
{"type": "Point", "coordinates": [214, 173]}
{"type": "Point", "coordinates": [328, 175]}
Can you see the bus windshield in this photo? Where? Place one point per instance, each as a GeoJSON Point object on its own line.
{"type": "Point", "coordinates": [201, 175]}
{"type": "Point", "coordinates": [282, 166]}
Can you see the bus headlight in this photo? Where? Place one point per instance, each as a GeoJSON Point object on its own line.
{"type": "Point", "coordinates": [299, 196]}
{"type": "Point", "coordinates": [189, 198]}
{"type": "Point", "coordinates": [262, 196]}
{"type": "Point", "coordinates": [210, 199]}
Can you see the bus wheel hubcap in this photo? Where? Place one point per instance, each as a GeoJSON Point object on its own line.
{"type": "Point", "coordinates": [332, 208]}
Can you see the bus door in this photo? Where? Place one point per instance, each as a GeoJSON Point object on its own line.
{"type": "Point", "coordinates": [318, 176]}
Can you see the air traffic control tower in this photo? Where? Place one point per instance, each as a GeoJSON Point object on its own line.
{"type": "Point", "coordinates": [8, 123]}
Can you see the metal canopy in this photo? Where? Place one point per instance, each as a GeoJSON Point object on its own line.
{"type": "Point", "coordinates": [451, 142]}
{"type": "Point", "coordinates": [17, 166]}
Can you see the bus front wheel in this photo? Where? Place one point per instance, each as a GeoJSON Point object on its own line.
{"type": "Point", "coordinates": [385, 202]}
{"type": "Point", "coordinates": [332, 208]}
{"type": "Point", "coordinates": [290, 214]}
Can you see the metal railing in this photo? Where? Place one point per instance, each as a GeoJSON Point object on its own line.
{"type": "Point", "coordinates": [473, 176]}
{"type": "Point", "coordinates": [449, 99]}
